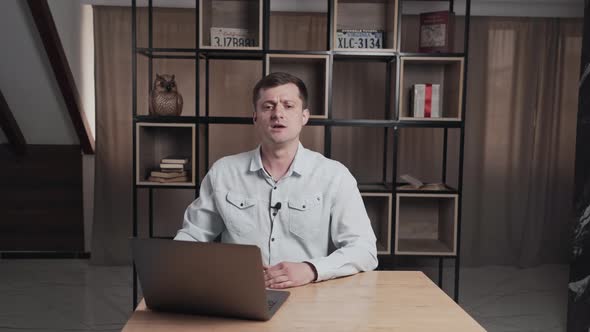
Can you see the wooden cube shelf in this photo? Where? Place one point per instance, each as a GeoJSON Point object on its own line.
{"type": "Point", "coordinates": [426, 224]}
{"type": "Point", "coordinates": [156, 141]}
{"type": "Point", "coordinates": [446, 71]}
{"type": "Point", "coordinates": [233, 14]}
{"type": "Point", "coordinates": [378, 206]}
{"type": "Point", "coordinates": [359, 89]}
{"type": "Point", "coordinates": [313, 70]}
{"type": "Point", "coordinates": [184, 76]}
{"type": "Point", "coordinates": [378, 15]}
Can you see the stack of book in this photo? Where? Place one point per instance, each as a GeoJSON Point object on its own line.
{"type": "Point", "coordinates": [172, 169]}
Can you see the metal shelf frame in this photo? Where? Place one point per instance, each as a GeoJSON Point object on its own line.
{"type": "Point", "coordinates": [391, 124]}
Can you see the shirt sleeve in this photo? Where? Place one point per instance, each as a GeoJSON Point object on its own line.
{"type": "Point", "coordinates": [202, 221]}
{"type": "Point", "coordinates": [352, 235]}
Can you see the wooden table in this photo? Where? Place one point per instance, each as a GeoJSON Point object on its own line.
{"type": "Point", "coordinates": [372, 301]}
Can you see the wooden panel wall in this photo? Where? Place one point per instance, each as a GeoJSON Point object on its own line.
{"type": "Point", "coordinates": [41, 199]}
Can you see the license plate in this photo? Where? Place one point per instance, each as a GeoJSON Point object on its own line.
{"type": "Point", "coordinates": [359, 39]}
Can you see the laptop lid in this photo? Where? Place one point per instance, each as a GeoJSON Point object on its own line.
{"type": "Point", "coordinates": [203, 278]}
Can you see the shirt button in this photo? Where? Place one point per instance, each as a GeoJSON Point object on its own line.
{"type": "Point", "coordinates": [303, 207]}
{"type": "Point", "coordinates": [275, 188]}
{"type": "Point", "coordinates": [274, 213]}
{"type": "Point", "coordinates": [273, 239]}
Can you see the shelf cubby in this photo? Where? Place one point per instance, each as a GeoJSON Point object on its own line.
{"type": "Point", "coordinates": [362, 150]}
{"type": "Point", "coordinates": [173, 26]}
{"type": "Point", "coordinates": [446, 71]}
{"type": "Point", "coordinates": [421, 153]}
{"type": "Point", "coordinates": [378, 15]}
{"type": "Point", "coordinates": [426, 224]}
{"type": "Point", "coordinates": [312, 69]}
{"type": "Point", "coordinates": [227, 81]}
{"type": "Point", "coordinates": [156, 141]}
{"type": "Point", "coordinates": [360, 88]}
{"type": "Point", "coordinates": [184, 76]}
{"type": "Point", "coordinates": [298, 25]}
{"type": "Point", "coordinates": [231, 14]}
{"type": "Point", "coordinates": [410, 23]}
{"type": "Point", "coordinates": [378, 206]}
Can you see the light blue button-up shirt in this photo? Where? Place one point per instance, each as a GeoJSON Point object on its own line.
{"type": "Point", "coordinates": [321, 220]}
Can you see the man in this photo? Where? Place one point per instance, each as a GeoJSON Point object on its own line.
{"type": "Point", "coordinates": [302, 210]}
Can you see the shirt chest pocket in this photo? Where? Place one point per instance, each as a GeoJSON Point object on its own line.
{"type": "Point", "coordinates": [305, 214]}
{"type": "Point", "coordinates": [241, 213]}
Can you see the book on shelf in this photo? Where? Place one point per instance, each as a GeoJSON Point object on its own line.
{"type": "Point", "coordinates": [174, 160]}
{"type": "Point", "coordinates": [232, 37]}
{"type": "Point", "coordinates": [436, 32]}
{"type": "Point", "coordinates": [359, 38]}
{"type": "Point", "coordinates": [425, 187]}
{"type": "Point", "coordinates": [168, 174]}
{"type": "Point", "coordinates": [175, 167]}
{"type": "Point", "coordinates": [415, 184]}
{"type": "Point", "coordinates": [169, 180]}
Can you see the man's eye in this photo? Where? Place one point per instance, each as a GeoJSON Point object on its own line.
{"type": "Point", "coordinates": [267, 107]}
{"type": "Point", "coordinates": [290, 106]}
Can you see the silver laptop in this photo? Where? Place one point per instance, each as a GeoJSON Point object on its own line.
{"type": "Point", "coordinates": [204, 278]}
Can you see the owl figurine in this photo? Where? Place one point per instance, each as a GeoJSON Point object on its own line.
{"type": "Point", "coordinates": [164, 97]}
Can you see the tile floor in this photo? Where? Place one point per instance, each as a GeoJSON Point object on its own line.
{"type": "Point", "coordinates": [71, 295]}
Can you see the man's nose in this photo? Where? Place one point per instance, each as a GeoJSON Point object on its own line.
{"type": "Point", "coordinates": [278, 111]}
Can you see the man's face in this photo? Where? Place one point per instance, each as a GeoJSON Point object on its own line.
{"type": "Point", "coordinates": [279, 115]}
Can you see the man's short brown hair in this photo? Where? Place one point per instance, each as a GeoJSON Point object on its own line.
{"type": "Point", "coordinates": [277, 79]}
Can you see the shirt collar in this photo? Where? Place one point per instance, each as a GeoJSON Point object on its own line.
{"type": "Point", "coordinates": [297, 166]}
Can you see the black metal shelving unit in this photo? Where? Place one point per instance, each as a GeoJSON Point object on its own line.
{"type": "Point", "coordinates": [390, 124]}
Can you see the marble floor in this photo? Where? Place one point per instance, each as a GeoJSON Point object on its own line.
{"type": "Point", "coordinates": [71, 295]}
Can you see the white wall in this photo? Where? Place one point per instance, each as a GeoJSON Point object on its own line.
{"type": "Point", "coordinates": [29, 86]}
{"type": "Point", "coordinates": [27, 81]}
{"type": "Point", "coordinates": [74, 23]}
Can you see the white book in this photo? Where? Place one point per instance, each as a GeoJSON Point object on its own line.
{"type": "Point", "coordinates": [179, 167]}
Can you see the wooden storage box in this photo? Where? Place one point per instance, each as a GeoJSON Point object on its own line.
{"type": "Point", "coordinates": [448, 72]}
{"type": "Point", "coordinates": [313, 70]}
{"type": "Point", "coordinates": [426, 224]}
{"type": "Point", "coordinates": [156, 141]}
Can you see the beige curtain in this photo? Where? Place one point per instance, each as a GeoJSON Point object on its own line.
{"type": "Point", "coordinates": [519, 144]}
{"type": "Point", "coordinates": [113, 190]}
{"type": "Point", "coordinates": [520, 140]}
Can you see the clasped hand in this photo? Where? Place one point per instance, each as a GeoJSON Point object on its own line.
{"type": "Point", "coordinates": [288, 274]}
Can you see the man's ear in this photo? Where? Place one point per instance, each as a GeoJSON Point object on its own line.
{"type": "Point", "coordinates": [254, 116]}
{"type": "Point", "coordinates": [305, 116]}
